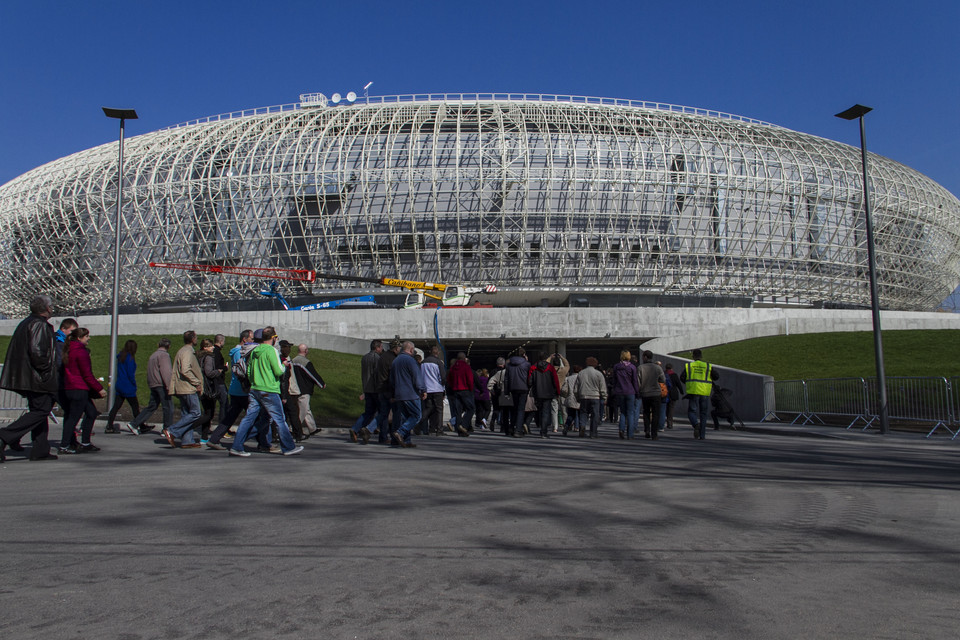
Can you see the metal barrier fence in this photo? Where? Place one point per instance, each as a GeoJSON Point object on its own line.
{"type": "Point", "coordinates": [11, 403]}
{"type": "Point", "coordinates": [914, 400]}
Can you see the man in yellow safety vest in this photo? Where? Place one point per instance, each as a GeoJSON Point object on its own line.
{"type": "Point", "coordinates": [698, 376]}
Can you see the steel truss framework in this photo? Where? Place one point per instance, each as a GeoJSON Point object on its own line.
{"type": "Point", "coordinates": [527, 191]}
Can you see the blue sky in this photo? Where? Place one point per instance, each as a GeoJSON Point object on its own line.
{"type": "Point", "coordinates": [791, 63]}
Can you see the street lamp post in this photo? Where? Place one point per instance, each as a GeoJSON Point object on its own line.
{"type": "Point", "coordinates": [121, 115]}
{"type": "Point", "coordinates": [856, 112]}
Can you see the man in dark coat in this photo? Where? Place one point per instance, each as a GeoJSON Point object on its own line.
{"type": "Point", "coordinates": [544, 385]}
{"type": "Point", "coordinates": [30, 370]}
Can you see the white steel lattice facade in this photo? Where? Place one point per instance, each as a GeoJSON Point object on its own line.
{"type": "Point", "coordinates": [529, 192]}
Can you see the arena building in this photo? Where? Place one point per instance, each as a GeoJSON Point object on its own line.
{"type": "Point", "coordinates": [556, 200]}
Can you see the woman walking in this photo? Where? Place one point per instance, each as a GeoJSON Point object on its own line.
{"type": "Point", "coordinates": [80, 386]}
{"type": "Point", "coordinates": [126, 385]}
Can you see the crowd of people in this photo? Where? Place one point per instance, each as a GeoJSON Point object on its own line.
{"type": "Point", "coordinates": [403, 395]}
{"type": "Point", "coordinates": [267, 382]}
{"type": "Point", "coordinates": [403, 392]}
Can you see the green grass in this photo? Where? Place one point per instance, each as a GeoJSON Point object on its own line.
{"type": "Point", "coordinates": [843, 354]}
{"type": "Point", "coordinates": [337, 403]}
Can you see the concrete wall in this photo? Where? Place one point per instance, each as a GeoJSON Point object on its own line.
{"type": "Point", "coordinates": [662, 330]}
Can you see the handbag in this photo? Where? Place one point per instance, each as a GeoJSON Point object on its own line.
{"type": "Point", "coordinates": [664, 392]}
{"type": "Point", "coordinates": [505, 399]}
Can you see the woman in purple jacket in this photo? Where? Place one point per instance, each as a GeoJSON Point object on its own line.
{"type": "Point", "coordinates": [626, 388]}
{"type": "Point", "coordinates": [80, 386]}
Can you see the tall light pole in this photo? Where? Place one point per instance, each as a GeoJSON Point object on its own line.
{"type": "Point", "coordinates": [121, 115]}
{"type": "Point", "coordinates": [856, 112]}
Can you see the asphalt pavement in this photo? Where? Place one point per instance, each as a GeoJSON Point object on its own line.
{"type": "Point", "coordinates": [747, 534]}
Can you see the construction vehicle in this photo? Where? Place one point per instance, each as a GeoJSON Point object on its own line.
{"type": "Point", "coordinates": [421, 293]}
{"type": "Point", "coordinates": [274, 292]}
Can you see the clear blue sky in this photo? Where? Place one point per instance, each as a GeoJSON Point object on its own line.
{"type": "Point", "coordinates": [791, 63]}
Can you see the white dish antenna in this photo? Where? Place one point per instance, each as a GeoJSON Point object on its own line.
{"type": "Point", "coordinates": [351, 97]}
{"type": "Point", "coordinates": [335, 98]}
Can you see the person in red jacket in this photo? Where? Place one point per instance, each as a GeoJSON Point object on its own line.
{"type": "Point", "coordinates": [79, 386]}
{"type": "Point", "coordinates": [461, 382]}
{"type": "Point", "coordinates": [544, 386]}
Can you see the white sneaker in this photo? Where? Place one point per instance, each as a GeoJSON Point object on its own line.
{"type": "Point", "coordinates": [132, 429]}
{"type": "Point", "coordinates": [242, 454]}
{"type": "Point", "coordinates": [292, 452]}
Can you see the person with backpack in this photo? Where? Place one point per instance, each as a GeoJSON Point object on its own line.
{"type": "Point", "coordinates": [264, 370]}
{"type": "Point", "coordinates": [544, 385]}
{"type": "Point", "coordinates": [238, 391]}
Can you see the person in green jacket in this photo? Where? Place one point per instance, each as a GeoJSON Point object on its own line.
{"type": "Point", "coordinates": [264, 371]}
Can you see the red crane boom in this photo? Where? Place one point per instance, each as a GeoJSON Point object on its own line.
{"type": "Point", "coordinates": [300, 275]}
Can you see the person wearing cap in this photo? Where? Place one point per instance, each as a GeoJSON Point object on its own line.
{"type": "Point", "coordinates": [590, 389]}
{"type": "Point", "coordinates": [264, 371]}
{"type": "Point", "coordinates": [239, 398]}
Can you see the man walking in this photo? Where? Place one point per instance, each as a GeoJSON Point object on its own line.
{"type": "Point", "coordinates": [406, 381]}
{"type": "Point", "coordinates": [544, 386]}
{"type": "Point", "coordinates": [220, 364]}
{"type": "Point", "coordinates": [698, 376]}
{"type": "Point", "coordinates": [264, 371]}
{"type": "Point", "coordinates": [30, 370]}
{"type": "Point", "coordinates": [186, 381]}
{"type": "Point", "coordinates": [385, 392]}
{"type": "Point", "coordinates": [434, 375]}
{"type": "Point", "coordinates": [461, 382]}
{"type": "Point", "coordinates": [515, 379]}
{"type": "Point", "coordinates": [239, 398]}
{"type": "Point", "coordinates": [651, 376]}
{"type": "Point", "coordinates": [308, 379]}
{"type": "Point", "coordinates": [158, 379]}
{"type": "Point", "coordinates": [591, 390]}
{"type": "Point", "coordinates": [369, 368]}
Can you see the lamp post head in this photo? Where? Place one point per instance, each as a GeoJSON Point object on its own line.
{"type": "Point", "coordinates": [854, 112]}
{"type": "Point", "coordinates": [120, 114]}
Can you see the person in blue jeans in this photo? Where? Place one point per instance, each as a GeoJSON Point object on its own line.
{"type": "Point", "coordinates": [186, 381]}
{"type": "Point", "coordinates": [409, 389]}
{"type": "Point", "coordinates": [626, 388]}
{"type": "Point", "coordinates": [264, 370]}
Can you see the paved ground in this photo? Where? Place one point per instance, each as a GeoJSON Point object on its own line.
{"type": "Point", "coordinates": [744, 535]}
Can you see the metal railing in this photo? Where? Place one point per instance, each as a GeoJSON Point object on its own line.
{"type": "Point", "coordinates": [910, 400]}
{"type": "Point", "coordinates": [473, 98]}
{"type": "Point", "coordinates": [12, 402]}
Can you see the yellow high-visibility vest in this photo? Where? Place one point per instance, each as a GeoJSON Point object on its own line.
{"type": "Point", "coordinates": [698, 374]}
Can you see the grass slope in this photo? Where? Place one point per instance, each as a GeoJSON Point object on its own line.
{"type": "Point", "coordinates": [843, 354]}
